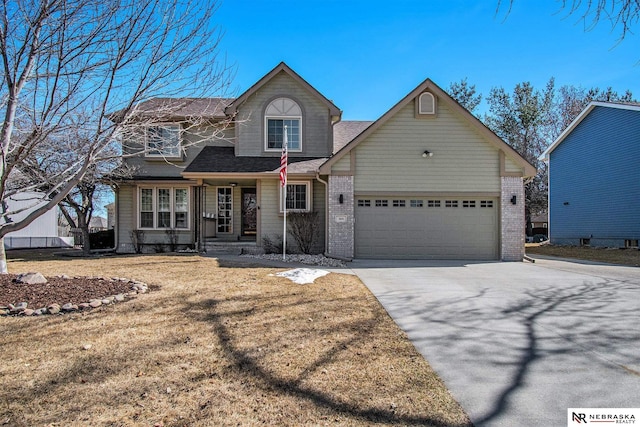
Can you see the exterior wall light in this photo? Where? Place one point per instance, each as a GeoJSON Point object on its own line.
{"type": "Point", "coordinates": [427, 153]}
{"type": "Point", "coordinates": [513, 199]}
{"type": "Point", "coordinates": [341, 199]}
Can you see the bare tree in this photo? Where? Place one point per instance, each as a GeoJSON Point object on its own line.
{"type": "Point", "coordinates": [621, 14]}
{"type": "Point", "coordinates": [70, 64]}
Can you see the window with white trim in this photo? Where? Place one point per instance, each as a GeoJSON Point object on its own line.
{"type": "Point", "coordinates": [279, 113]}
{"type": "Point", "coordinates": [399, 203]}
{"type": "Point", "coordinates": [451, 203]}
{"type": "Point", "coordinates": [365, 203]}
{"type": "Point", "coordinates": [486, 203]}
{"type": "Point", "coordinates": [381, 203]}
{"type": "Point", "coordinates": [426, 104]}
{"type": "Point", "coordinates": [417, 203]}
{"type": "Point", "coordinates": [433, 203]}
{"type": "Point", "coordinates": [224, 223]}
{"type": "Point", "coordinates": [163, 207]}
{"type": "Point", "coordinates": [298, 196]}
{"type": "Point", "coordinates": [163, 141]}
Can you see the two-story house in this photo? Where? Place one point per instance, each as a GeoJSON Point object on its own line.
{"type": "Point", "coordinates": [425, 180]}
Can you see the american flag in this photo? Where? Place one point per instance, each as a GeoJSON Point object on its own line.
{"type": "Point", "coordinates": [284, 160]}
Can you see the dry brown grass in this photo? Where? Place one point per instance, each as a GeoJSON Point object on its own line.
{"type": "Point", "coordinates": [216, 345]}
{"type": "Point", "coordinates": [609, 255]}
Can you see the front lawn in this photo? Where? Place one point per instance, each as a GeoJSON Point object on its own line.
{"type": "Point", "coordinates": [629, 256]}
{"type": "Point", "coordinates": [215, 345]}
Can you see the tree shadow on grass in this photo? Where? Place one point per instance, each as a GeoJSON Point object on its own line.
{"type": "Point", "coordinates": [224, 324]}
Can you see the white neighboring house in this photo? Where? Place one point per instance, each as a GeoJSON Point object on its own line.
{"type": "Point", "coordinates": [41, 233]}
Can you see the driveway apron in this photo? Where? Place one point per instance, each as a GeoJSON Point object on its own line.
{"type": "Point", "coordinates": [517, 344]}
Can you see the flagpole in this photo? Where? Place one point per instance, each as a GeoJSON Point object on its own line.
{"type": "Point", "coordinates": [283, 179]}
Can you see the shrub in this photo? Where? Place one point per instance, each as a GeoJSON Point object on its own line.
{"type": "Point", "coordinates": [137, 238]}
{"type": "Point", "coordinates": [305, 229]}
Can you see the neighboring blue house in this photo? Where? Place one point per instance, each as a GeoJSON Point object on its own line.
{"type": "Point", "coordinates": [594, 178]}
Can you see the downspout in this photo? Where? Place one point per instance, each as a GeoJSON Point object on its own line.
{"type": "Point", "coordinates": [326, 211]}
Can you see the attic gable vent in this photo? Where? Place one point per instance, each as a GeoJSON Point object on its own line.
{"type": "Point", "coordinates": [426, 104]}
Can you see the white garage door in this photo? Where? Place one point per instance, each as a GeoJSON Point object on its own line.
{"type": "Point", "coordinates": [414, 228]}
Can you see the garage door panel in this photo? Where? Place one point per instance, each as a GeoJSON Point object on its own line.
{"type": "Point", "coordinates": [468, 232]}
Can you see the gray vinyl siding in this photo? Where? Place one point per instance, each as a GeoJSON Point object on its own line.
{"type": "Point", "coordinates": [342, 165]}
{"type": "Point", "coordinates": [125, 217]}
{"type": "Point", "coordinates": [511, 167]}
{"type": "Point", "coordinates": [390, 159]}
{"type": "Point", "coordinates": [594, 180]}
{"type": "Point", "coordinates": [317, 133]}
{"type": "Point", "coordinates": [272, 219]}
{"type": "Point", "coordinates": [193, 140]}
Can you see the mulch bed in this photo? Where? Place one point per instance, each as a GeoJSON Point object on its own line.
{"type": "Point", "coordinates": [58, 290]}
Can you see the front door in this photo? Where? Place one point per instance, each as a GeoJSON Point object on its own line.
{"type": "Point", "coordinates": [249, 212]}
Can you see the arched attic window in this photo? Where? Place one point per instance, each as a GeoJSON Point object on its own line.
{"type": "Point", "coordinates": [279, 113]}
{"type": "Point", "coordinates": [426, 104]}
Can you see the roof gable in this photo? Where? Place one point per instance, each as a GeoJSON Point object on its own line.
{"type": "Point", "coordinates": [587, 110]}
{"type": "Point", "coordinates": [443, 97]}
{"type": "Point", "coordinates": [282, 67]}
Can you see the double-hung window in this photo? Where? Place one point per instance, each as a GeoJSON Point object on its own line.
{"type": "Point", "coordinates": [281, 113]}
{"type": "Point", "coordinates": [163, 141]}
{"type": "Point", "coordinates": [298, 196]}
{"type": "Point", "coordinates": [164, 207]}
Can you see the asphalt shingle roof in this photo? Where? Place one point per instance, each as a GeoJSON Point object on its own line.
{"type": "Point", "coordinates": [344, 132]}
{"type": "Point", "coordinates": [223, 160]}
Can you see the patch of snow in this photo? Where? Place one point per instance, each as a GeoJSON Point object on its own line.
{"type": "Point", "coordinates": [303, 276]}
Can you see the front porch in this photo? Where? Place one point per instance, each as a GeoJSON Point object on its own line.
{"type": "Point", "coordinates": [227, 213]}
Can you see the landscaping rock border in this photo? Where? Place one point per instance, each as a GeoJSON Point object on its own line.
{"type": "Point", "coordinates": [22, 309]}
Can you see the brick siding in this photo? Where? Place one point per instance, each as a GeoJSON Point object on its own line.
{"type": "Point", "coordinates": [341, 217]}
{"type": "Point", "coordinates": [513, 220]}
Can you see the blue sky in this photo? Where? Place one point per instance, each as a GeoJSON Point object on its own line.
{"type": "Point", "coordinates": [367, 55]}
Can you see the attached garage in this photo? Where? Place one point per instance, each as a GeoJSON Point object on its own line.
{"type": "Point", "coordinates": [426, 228]}
{"type": "Point", "coordinates": [427, 180]}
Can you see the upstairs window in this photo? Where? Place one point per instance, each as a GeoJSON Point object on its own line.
{"type": "Point", "coordinates": [426, 104]}
{"type": "Point", "coordinates": [283, 112]}
{"type": "Point", "coordinates": [163, 141]}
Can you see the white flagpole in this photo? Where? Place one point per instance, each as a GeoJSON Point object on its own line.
{"type": "Point", "coordinates": [285, 149]}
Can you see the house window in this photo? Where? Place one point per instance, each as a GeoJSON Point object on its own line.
{"type": "Point", "coordinates": [225, 210]}
{"type": "Point", "coordinates": [146, 208]}
{"type": "Point", "coordinates": [279, 113]}
{"type": "Point", "coordinates": [382, 203]}
{"type": "Point", "coordinates": [468, 203]}
{"type": "Point", "coordinates": [433, 203]}
{"type": "Point", "coordinates": [416, 203]}
{"type": "Point", "coordinates": [164, 207]}
{"type": "Point", "coordinates": [181, 208]}
{"type": "Point", "coordinates": [364, 203]}
{"type": "Point", "coordinates": [163, 141]}
{"type": "Point", "coordinates": [426, 104]}
{"type": "Point", "coordinates": [298, 196]}
{"type": "Point", "coordinates": [585, 242]}
{"type": "Point", "coordinates": [631, 243]}
{"type": "Point", "coordinates": [399, 203]}
{"type": "Point", "coordinates": [451, 203]}
{"type": "Point", "coordinates": [486, 203]}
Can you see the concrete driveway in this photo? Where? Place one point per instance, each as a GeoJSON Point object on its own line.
{"type": "Point", "coordinates": [518, 344]}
